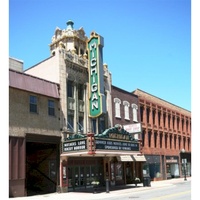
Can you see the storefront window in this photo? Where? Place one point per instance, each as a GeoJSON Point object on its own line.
{"type": "Point", "coordinates": [153, 163]}
{"type": "Point", "coordinates": [145, 170]}
{"type": "Point", "coordinates": [119, 171]}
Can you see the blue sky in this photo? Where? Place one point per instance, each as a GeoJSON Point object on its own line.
{"type": "Point", "coordinates": [147, 43]}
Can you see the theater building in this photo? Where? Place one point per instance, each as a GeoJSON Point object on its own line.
{"type": "Point", "coordinates": [90, 141]}
{"type": "Point", "coordinates": [34, 133]}
{"type": "Point", "coordinates": [166, 137]}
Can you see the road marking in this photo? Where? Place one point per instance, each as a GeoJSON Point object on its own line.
{"type": "Point", "coordinates": [171, 195]}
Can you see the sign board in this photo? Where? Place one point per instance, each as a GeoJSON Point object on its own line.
{"type": "Point", "coordinates": [133, 128]}
{"type": "Point", "coordinates": [74, 145]}
{"type": "Point", "coordinates": [116, 145]}
{"type": "Point", "coordinates": [96, 76]}
{"type": "Point", "coordinates": [125, 158]}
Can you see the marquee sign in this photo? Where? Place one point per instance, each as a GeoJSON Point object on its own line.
{"type": "Point", "coordinates": [116, 145]}
{"type": "Point", "coordinates": [74, 145]}
{"type": "Point", "coordinates": [96, 81]}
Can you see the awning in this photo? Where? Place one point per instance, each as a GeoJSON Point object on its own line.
{"type": "Point", "coordinates": [131, 158]}
{"type": "Point", "coordinates": [125, 158]}
{"type": "Point", "coordinates": [139, 158]}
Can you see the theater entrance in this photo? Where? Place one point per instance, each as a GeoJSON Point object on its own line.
{"type": "Point", "coordinates": [82, 172]}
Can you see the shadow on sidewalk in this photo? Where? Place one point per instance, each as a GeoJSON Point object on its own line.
{"type": "Point", "coordinates": [102, 189]}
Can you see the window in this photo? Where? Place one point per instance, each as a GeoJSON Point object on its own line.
{"type": "Point", "coordinates": [51, 107]}
{"type": "Point", "coordinates": [82, 51]}
{"type": "Point", "coordinates": [70, 123]}
{"type": "Point", "coordinates": [70, 89]}
{"type": "Point", "coordinates": [102, 126]}
{"type": "Point", "coordinates": [94, 127]}
{"type": "Point", "coordinates": [117, 107]}
{"type": "Point", "coordinates": [135, 108]}
{"type": "Point", "coordinates": [80, 124]}
{"type": "Point", "coordinates": [33, 104]}
{"type": "Point", "coordinates": [126, 109]}
{"type": "Point", "coordinates": [80, 91]}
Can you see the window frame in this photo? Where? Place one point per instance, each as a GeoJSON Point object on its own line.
{"type": "Point", "coordinates": [33, 105]}
{"type": "Point", "coordinates": [126, 110]}
{"type": "Point", "coordinates": [117, 102]}
{"type": "Point", "coordinates": [135, 112]}
{"type": "Point", "coordinates": [51, 108]}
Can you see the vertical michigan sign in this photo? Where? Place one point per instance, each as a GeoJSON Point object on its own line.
{"type": "Point", "coordinates": [96, 76]}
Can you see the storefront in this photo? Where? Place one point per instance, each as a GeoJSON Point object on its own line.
{"type": "Point", "coordinates": [172, 167]}
{"type": "Point", "coordinates": [112, 155]}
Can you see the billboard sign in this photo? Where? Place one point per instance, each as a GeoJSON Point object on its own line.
{"type": "Point", "coordinates": [96, 76]}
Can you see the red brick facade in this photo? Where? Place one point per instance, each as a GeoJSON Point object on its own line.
{"type": "Point", "coordinates": [166, 129]}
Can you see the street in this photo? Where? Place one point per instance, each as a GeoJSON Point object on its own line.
{"type": "Point", "coordinates": [174, 189]}
{"type": "Point", "coordinates": [177, 191]}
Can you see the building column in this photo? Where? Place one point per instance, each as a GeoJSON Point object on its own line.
{"type": "Point", "coordinates": [156, 117]}
{"type": "Point", "coordinates": [152, 139]}
{"type": "Point", "coordinates": [173, 147]}
{"type": "Point", "coordinates": [63, 175]}
{"type": "Point", "coordinates": [151, 115]}
{"type": "Point", "coordinates": [163, 140]}
{"type": "Point", "coordinates": [171, 120]}
{"type": "Point", "coordinates": [145, 114]}
{"type": "Point", "coordinates": [175, 122]}
{"type": "Point", "coordinates": [161, 118]}
{"type": "Point", "coordinates": [158, 140]}
{"type": "Point", "coordinates": [146, 138]}
{"type": "Point", "coordinates": [167, 121]}
{"type": "Point", "coordinates": [178, 138]}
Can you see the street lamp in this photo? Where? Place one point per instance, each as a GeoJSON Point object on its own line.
{"type": "Point", "coordinates": [184, 162]}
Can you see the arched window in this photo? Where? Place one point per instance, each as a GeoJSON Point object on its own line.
{"type": "Point", "coordinates": [135, 109]}
{"type": "Point", "coordinates": [117, 107]}
{"type": "Point", "coordinates": [126, 109]}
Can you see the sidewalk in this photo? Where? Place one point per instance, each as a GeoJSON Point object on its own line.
{"type": "Point", "coordinates": [102, 194]}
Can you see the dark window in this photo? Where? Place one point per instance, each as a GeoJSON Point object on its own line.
{"type": "Point", "coordinates": [94, 126]}
{"type": "Point", "coordinates": [33, 104]}
{"type": "Point", "coordinates": [141, 113]}
{"type": "Point", "coordinates": [155, 139]}
{"type": "Point", "coordinates": [164, 119]}
{"type": "Point", "coordinates": [173, 120]}
{"type": "Point", "coordinates": [178, 120]}
{"type": "Point", "coordinates": [102, 126]}
{"type": "Point", "coordinates": [161, 138]}
{"type": "Point", "coordinates": [82, 51]}
{"type": "Point", "coordinates": [159, 118]}
{"type": "Point", "coordinates": [166, 141]}
{"type": "Point", "coordinates": [154, 115]}
{"type": "Point", "coordinates": [70, 123]}
{"type": "Point", "coordinates": [70, 89]}
{"type": "Point", "coordinates": [169, 118]}
{"type": "Point", "coordinates": [148, 113]}
{"type": "Point", "coordinates": [80, 91]}
{"type": "Point", "coordinates": [170, 141]}
{"type": "Point", "coordinates": [149, 138]}
{"type": "Point", "coordinates": [51, 107]}
{"type": "Point", "coordinates": [174, 141]}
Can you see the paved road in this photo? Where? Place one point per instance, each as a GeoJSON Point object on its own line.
{"type": "Point", "coordinates": [112, 194]}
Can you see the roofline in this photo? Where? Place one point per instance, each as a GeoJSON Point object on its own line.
{"type": "Point", "coordinates": [16, 59]}
{"type": "Point", "coordinates": [161, 99]}
{"type": "Point", "coordinates": [34, 77]}
{"type": "Point", "coordinates": [124, 91]}
{"type": "Point", "coordinates": [38, 63]}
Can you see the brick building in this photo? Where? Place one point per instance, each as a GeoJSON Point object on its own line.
{"type": "Point", "coordinates": [34, 134]}
{"type": "Point", "coordinates": [166, 137]}
{"type": "Point", "coordinates": [125, 112]}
